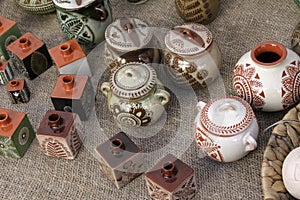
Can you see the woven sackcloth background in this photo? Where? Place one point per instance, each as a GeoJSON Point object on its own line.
{"type": "Point", "coordinates": [239, 26]}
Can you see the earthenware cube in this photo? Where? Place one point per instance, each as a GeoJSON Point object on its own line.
{"type": "Point", "coordinates": [59, 134]}
{"type": "Point", "coordinates": [30, 55]}
{"type": "Point", "coordinates": [9, 32]}
{"type": "Point", "coordinates": [69, 58]}
{"type": "Point", "coordinates": [18, 91]}
{"type": "Point", "coordinates": [120, 159]}
{"type": "Point", "coordinates": [16, 133]}
{"type": "Point", "coordinates": [171, 179]}
{"type": "Point", "coordinates": [73, 93]}
{"type": "Point", "coordinates": [6, 72]}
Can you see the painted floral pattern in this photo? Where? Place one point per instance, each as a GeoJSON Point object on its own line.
{"type": "Point", "coordinates": [291, 84]}
{"type": "Point", "coordinates": [157, 192]}
{"type": "Point", "coordinates": [208, 145]}
{"type": "Point", "coordinates": [187, 190]}
{"type": "Point", "coordinates": [7, 148]}
{"type": "Point", "coordinates": [135, 117]}
{"type": "Point", "coordinates": [248, 86]}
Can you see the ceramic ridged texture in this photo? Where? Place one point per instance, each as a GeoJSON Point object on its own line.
{"type": "Point", "coordinates": [37, 6]}
{"type": "Point", "coordinates": [239, 26]}
{"type": "Point", "coordinates": [285, 137]}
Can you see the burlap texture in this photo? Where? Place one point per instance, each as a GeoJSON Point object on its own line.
{"type": "Point", "coordinates": [239, 26]}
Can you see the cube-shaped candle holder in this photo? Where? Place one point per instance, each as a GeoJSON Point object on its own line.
{"type": "Point", "coordinates": [171, 179]}
{"type": "Point", "coordinates": [16, 133]}
{"type": "Point", "coordinates": [59, 134]}
{"type": "Point", "coordinates": [69, 58]}
{"type": "Point", "coordinates": [120, 159]}
{"type": "Point", "coordinates": [9, 32]}
{"type": "Point", "coordinates": [6, 72]}
{"type": "Point", "coordinates": [30, 55]}
{"type": "Point", "coordinates": [73, 93]}
{"type": "Point", "coordinates": [18, 91]}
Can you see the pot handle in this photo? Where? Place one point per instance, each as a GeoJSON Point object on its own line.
{"type": "Point", "coordinates": [250, 142]}
{"type": "Point", "coordinates": [105, 88]}
{"type": "Point", "coordinates": [200, 105]}
{"type": "Point", "coordinates": [103, 12]}
{"type": "Point", "coordinates": [163, 96]}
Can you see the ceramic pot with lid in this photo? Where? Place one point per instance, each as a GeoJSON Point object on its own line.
{"type": "Point", "coordinates": [226, 128]}
{"type": "Point", "coordinates": [130, 40]}
{"type": "Point", "coordinates": [134, 94]}
{"type": "Point", "coordinates": [268, 77]}
{"type": "Point", "coordinates": [84, 20]}
{"type": "Point", "coordinates": [192, 56]}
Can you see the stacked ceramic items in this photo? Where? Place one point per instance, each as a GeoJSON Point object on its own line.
{"type": "Point", "coordinates": [37, 6]}
{"type": "Point", "coordinates": [130, 40]}
{"type": "Point", "coordinates": [84, 20]}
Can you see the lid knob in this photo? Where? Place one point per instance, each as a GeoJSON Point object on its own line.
{"type": "Point", "coordinates": [4, 119]}
{"type": "Point", "coordinates": [68, 82]}
{"type": "Point", "coordinates": [116, 146]}
{"type": "Point", "coordinates": [24, 42]}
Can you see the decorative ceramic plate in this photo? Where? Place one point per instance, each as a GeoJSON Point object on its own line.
{"type": "Point", "coordinates": [284, 138]}
{"type": "Point", "coordinates": [37, 6]}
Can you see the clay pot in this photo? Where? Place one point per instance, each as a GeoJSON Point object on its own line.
{"type": "Point", "coordinates": [268, 77]}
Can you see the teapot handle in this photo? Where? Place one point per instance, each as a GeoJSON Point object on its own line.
{"type": "Point", "coordinates": [103, 12]}
{"type": "Point", "coordinates": [200, 105]}
{"type": "Point", "coordinates": [105, 88]}
{"type": "Point", "coordinates": [250, 142]}
{"type": "Point", "coordinates": [163, 96]}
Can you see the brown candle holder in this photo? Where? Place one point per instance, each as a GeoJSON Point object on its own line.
{"type": "Point", "coordinates": [120, 159]}
{"type": "Point", "coordinates": [58, 134]}
{"type": "Point", "coordinates": [9, 32]}
{"type": "Point", "coordinates": [69, 58]}
{"type": "Point", "coordinates": [171, 179]}
{"type": "Point", "coordinates": [73, 93]}
{"type": "Point", "coordinates": [16, 133]}
{"type": "Point", "coordinates": [30, 55]}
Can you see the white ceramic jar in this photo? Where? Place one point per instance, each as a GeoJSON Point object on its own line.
{"type": "Point", "coordinates": [134, 94]}
{"type": "Point", "coordinates": [130, 40]}
{"type": "Point", "coordinates": [226, 128]}
{"type": "Point", "coordinates": [192, 56]}
{"type": "Point", "coordinates": [268, 77]}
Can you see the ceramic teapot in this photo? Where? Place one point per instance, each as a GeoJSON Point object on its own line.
{"type": "Point", "coordinates": [84, 20]}
{"type": "Point", "coordinates": [134, 94]}
{"type": "Point", "coordinates": [226, 128]}
{"type": "Point", "coordinates": [129, 40]}
{"type": "Point", "coordinates": [268, 77]}
{"type": "Point", "coordinates": [192, 56]}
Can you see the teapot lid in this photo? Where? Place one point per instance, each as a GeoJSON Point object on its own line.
{"type": "Point", "coordinates": [128, 34]}
{"type": "Point", "coordinates": [72, 4]}
{"type": "Point", "coordinates": [188, 39]}
{"type": "Point", "coordinates": [133, 80]}
{"type": "Point", "coordinates": [227, 116]}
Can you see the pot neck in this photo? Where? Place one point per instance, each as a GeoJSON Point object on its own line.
{"type": "Point", "coordinates": [269, 54]}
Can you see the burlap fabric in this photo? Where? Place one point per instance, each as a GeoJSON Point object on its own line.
{"type": "Point", "coordinates": [239, 26]}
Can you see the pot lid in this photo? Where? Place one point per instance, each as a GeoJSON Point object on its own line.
{"type": "Point", "coordinates": [188, 39]}
{"type": "Point", "coordinates": [128, 34]}
{"type": "Point", "coordinates": [133, 80]}
{"type": "Point", "coordinates": [227, 116]}
{"type": "Point", "coordinates": [72, 4]}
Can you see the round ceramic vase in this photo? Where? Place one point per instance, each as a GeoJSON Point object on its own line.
{"type": "Point", "coordinates": [226, 128]}
{"type": "Point", "coordinates": [268, 77]}
{"type": "Point", "coordinates": [192, 56]}
{"type": "Point", "coordinates": [130, 40]}
{"type": "Point", "coordinates": [84, 20]}
{"type": "Point", "coordinates": [200, 11]}
{"type": "Point", "coordinates": [37, 6]}
{"type": "Point", "coordinates": [296, 39]}
{"type": "Point", "coordinates": [135, 96]}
